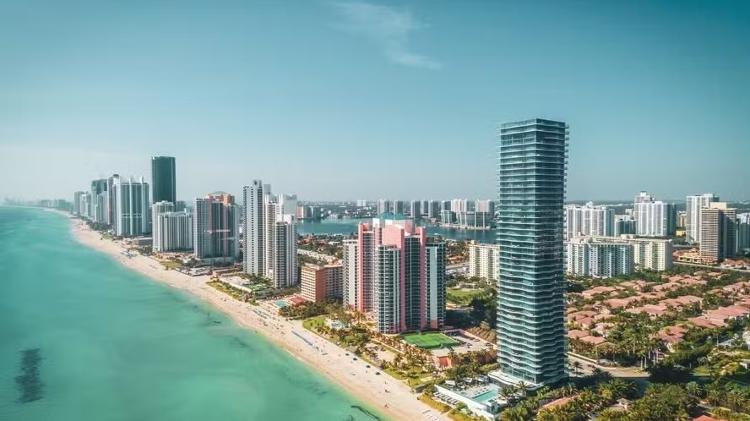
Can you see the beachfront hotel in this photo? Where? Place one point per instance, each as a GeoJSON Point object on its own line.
{"type": "Point", "coordinates": [392, 272]}
{"type": "Point", "coordinates": [531, 172]}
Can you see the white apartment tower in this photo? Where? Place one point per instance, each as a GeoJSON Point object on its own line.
{"type": "Point", "coordinates": [693, 206]}
{"type": "Point", "coordinates": [654, 218]}
{"type": "Point", "coordinates": [589, 220]}
{"type": "Point", "coordinates": [132, 207]}
{"type": "Point", "coordinates": [270, 234]}
{"type": "Point", "coordinates": [254, 235]}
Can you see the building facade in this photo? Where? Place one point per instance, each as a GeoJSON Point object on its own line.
{"type": "Point", "coordinates": [532, 160]}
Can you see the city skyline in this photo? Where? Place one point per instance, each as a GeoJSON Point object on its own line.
{"type": "Point", "coordinates": [73, 109]}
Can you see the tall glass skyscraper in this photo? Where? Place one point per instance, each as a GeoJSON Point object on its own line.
{"type": "Point", "coordinates": [163, 179]}
{"type": "Point", "coordinates": [531, 171]}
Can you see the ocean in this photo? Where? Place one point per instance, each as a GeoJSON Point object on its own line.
{"type": "Point", "coordinates": [84, 338]}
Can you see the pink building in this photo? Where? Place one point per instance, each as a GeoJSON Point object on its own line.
{"type": "Point", "coordinates": [399, 278]}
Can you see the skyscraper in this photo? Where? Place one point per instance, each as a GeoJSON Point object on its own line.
{"type": "Point", "coordinates": [653, 218]}
{"type": "Point", "coordinates": [132, 207]}
{"type": "Point", "coordinates": [588, 220]}
{"type": "Point", "coordinates": [532, 158]}
{"type": "Point", "coordinates": [718, 232]}
{"type": "Point", "coordinates": [283, 273]}
{"type": "Point", "coordinates": [435, 284]}
{"type": "Point", "coordinates": [693, 206]}
{"type": "Point", "coordinates": [171, 231]}
{"type": "Point", "coordinates": [216, 229]}
{"type": "Point", "coordinates": [415, 209]}
{"type": "Point", "coordinates": [270, 230]}
{"type": "Point", "coordinates": [254, 247]}
{"type": "Point", "coordinates": [163, 179]}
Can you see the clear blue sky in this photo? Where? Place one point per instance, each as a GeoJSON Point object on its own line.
{"type": "Point", "coordinates": [347, 99]}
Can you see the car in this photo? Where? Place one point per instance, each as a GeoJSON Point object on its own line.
{"type": "Point", "coordinates": [377, 373]}
{"type": "Point", "coordinates": [354, 359]}
{"type": "Point", "coordinates": [368, 366]}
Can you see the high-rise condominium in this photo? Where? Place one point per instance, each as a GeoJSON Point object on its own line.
{"type": "Point", "coordinates": [718, 232]}
{"type": "Point", "coordinates": [653, 218]}
{"type": "Point", "coordinates": [99, 201]}
{"type": "Point", "coordinates": [393, 272]}
{"type": "Point", "coordinates": [163, 179]}
{"type": "Point", "coordinates": [216, 222]}
{"type": "Point", "coordinates": [171, 231]}
{"type": "Point", "coordinates": [693, 206]}
{"type": "Point", "coordinates": [77, 207]}
{"type": "Point", "coordinates": [588, 220]}
{"type": "Point", "coordinates": [132, 207]}
{"type": "Point", "coordinates": [384, 206]}
{"type": "Point", "coordinates": [532, 157]}
{"type": "Point", "coordinates": [254, 262]}
{"type": "Point", "coordinates": [415, 209]}
{"type": "Point", "coordinates": [270, 234]}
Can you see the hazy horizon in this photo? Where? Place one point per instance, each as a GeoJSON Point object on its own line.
{"type": "Point", "coordinates": [346, 100]}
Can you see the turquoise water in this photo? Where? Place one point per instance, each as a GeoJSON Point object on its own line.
{"type": "Point", "coordinates": [82, 338]}
{"type": "Point", "coordinates": [349, 226]}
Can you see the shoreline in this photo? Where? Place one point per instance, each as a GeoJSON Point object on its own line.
{"type": "Point", "coordinates": [384, 394]}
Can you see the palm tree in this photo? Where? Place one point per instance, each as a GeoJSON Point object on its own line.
{"type": "Point", "coordinates": [576, 367]}
{"type": "Point", "coordinates": [522, 388]}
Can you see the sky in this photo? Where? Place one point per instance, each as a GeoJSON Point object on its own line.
{"type": "Point", "coordinates": [344, 100]}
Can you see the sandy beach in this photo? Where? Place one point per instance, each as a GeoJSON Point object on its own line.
{"type": "Point", "coordinates": [389, 396]}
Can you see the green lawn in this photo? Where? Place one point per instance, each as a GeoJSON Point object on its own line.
{"type": "Point", "coordinates": [430, 340]}
{"type": "Point", "coordinates": [313, 323]}
{"type": "Point", "coordinates": [463, 296]}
